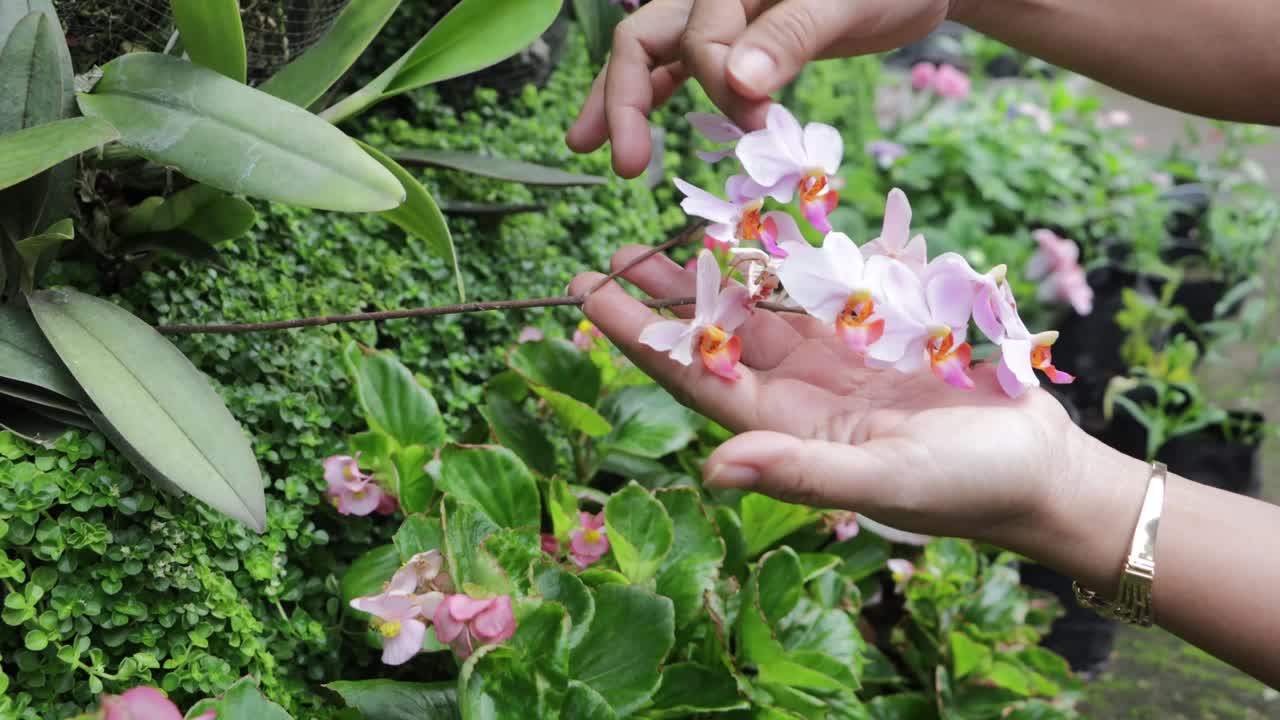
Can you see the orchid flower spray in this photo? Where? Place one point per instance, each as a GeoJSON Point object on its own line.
{"type": "Point", "coordinates": [788, 159]}
{"type": "Point", "coordinates": [718, 312]}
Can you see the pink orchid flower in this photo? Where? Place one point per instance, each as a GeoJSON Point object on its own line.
{"type": "Point", "coordinates": [786, 159]}
{"type": "Point", "coordinates": [401, 611]}
{"type": "Point", "coordinates": [927, 317]}
{"type": "Point", "coordinates": [352, 492]}
{"type": "Point", "coordinates": [530, 334]}
{"type": "Point", "coordinates": [463, 622]}
{"type": "Point", "coordinates": [716, 315]}
{"type": "Point", "coordinates": [717, 129]}
{"type": "Point", "coordinates": [1057, 266]}
{"type": "Point", "coordinates": [922, 75]}
{"type": "Point", "coordinates": [738, 219]}
{"type": "Point", "coordinates": [590, 541]}
{"type": "Point", "coordinates": [995, 311]}
{"type": "Point", "coordinates": [143, 703]}
{"type": "Point", "coordinates": [951, 83]}
{"type": "Point", "coordinates": [901, 571]}
{"type": "Point", "coordinates": [586, 335]}
{"type": "Point", "coordinates": [835, 285]}
{"type": "Point", "coordinates": [895, 239]}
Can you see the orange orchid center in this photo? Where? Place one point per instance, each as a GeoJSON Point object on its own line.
{"type": "Point", "coordinates": [750, 224]}
{"type": "Point", "coordinates": [813, 186]}
{"type": "Point", "coordinates": [941, 344]}
{"type": "Point", "coordinates": [857, 310]}
{"type": "Point", "coordinates": [713, 339]}
{"type": "Point", "coordinates": [591, 535]}
{"type": "Point", "coordinates": [1041, 357]}
{"type": "Point", "coordinates": [389, 629]}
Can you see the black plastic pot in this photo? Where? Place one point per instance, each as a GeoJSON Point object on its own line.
{"type": "Point", "coordinates": [1089, 345]}
{"type": "Point", "coordinates": [1189, 203]}
{"type": "Point", "coordinates": [1081, 636]}
{"type": "Point", "coordinates": [1212, 458]}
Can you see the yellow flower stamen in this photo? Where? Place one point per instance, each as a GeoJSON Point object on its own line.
{"type": "Point", "coordinates": [389, 629]}
{"type": "Point", "coordinates": [591, 535]}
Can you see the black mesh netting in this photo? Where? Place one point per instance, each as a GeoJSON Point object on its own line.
{"type": "Point", "coordinates": [276, 31]}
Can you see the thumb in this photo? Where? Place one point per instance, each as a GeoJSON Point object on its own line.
{"type": "Point", "coordinates": [809, 472]}
{"type": "Point", "coordinates": [778, 43]}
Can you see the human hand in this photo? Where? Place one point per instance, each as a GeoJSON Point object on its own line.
{"type": "Point", "coordinates": [740, 51]}
{"type": "Point", "coordinates": [820, 428]}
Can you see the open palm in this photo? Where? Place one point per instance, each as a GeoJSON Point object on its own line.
{"type": "Point", "coordinates": [822, 429]}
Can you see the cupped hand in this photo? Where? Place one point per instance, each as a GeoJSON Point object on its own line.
{"type": "Point", "coordinates": [819, 428]}
{"type": "Point", "coordinates": [740, 51]}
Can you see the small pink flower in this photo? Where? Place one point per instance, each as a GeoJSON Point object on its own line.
{"type": "Point", "coordinates": [142, 703]}
{"type": "Point", "coordinates": [835, 285]}
{"type": "Point", "coordinates": [927, 315]}
{"type": "Point", "coordinates": [922, 75]}
{"type": "Point", "coordinates": [388, 505]}
{"type": "Point", "coordinates": [590, 541]}
{"type": "Point", "coordinates": [901, 570]}
{"type": "Point", "coordinates": [586, 335]}
{"type": "Point", "coordinates": [405, 606]}
{"type": "Point", "coordinates": [1114, 119]}
{"type": "Point", "coordinates": [845, 525]}
{"type": "Point", "coordinates": [951, 83]}
{"type": "Point", "coordinates": [895, 241]}
{"type": "Point", "coordinates": [717, 129]}
{"type": "Point", "coordinates": [1056, 264]}
{"type": "Point", "coordinates": [787, 159]}
{"type": "Point", "coordinates": [739, 218]}
{"type": "Point", "coordinates": [464, 622]}
{"type": "Point", "coordinates": [352, 492]}
{"type": "Point", "coordinates": [996, 313]}
{"type": "Point", "coordinates": [550, 545]}
{"type": "Point", "coordinates": [717, 313]}
{"type": "Point", "coordinates": [529, 334]}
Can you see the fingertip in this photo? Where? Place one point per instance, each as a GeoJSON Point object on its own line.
{"type": "Point", "coordinates": [583, 282]}
{"type": "Point", "coordinates": [753, 72]}
{"type": "Point", "coordinates": [741, 462]}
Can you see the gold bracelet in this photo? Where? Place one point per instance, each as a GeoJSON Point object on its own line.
{"type": "Point", "coordinates": [1133, 600]}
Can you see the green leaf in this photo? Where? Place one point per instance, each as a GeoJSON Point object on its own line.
{"type": "Point", "coordinates": [692, 566]}
{"type": "Point", "coordinates": [496, 684]}
{"type": "Point", "coordinates": [864, 555]}
{"type": "Point", "coordinates": [212, 35]}
{"type": "Point", "coordinates": [692, 689]}
{"type": "Point", "coordinates": [497, 168]}
{"type": "Point", "coordinates": [517, 430]}
{"type": "Point", "coordinates": [558, 585]}
{"type": "Point", "coordinates": [902, 706]}
{"type": "Point", "coordinates": [307, 78]}
{"type": "Point", "coordinates": [562, 506]}
{"type": "Point", "coordinates": [966, 654]}
{"type": "Point", "coordinates": [45, 400]}
{"type": "Point", "coordinates": [419, 215]}
{"type": "Point", "coordinates": [583, 703]}
{"type": "Point", "coordinates": [200, 210]}
{"type": "Point", "coordinates": [473, 569]}
{"type": "Point", "coordinates": [735, 543]}
{"type": "Point", "coordinates": [178, 243]}
{"type": "Point", "coordinates": [369, 573]}
{"type": "Point", "coordinates": [473, 36]}
{"type": "Point", "coordinates": [598, 576]}
{"type": "Point", "coordinates": [575, 415]}
{"type": "Point", "coordinates": [1010, 677]}
{"type": "Point", "coordinates": [517, 552]}
{"type": "Point", "coordinates": [598, 18]}
{"type": "Point", "coordinates": [40, 250]}
{"type": "Point", "coordinates": [416, 486]}
{"type": "Point", "coordinates": [494, 480]}
{"type": "Point", "coordinates": [780, 584]}
{"type": "Point", "coordinates": [418, 534]}
{"type": "Point", "coordinates": [30, 74]}
{"type": "Point", "coordinates": [243, 701]}
{"type": "Point", "coordinates": [156, 401]}
{"type": "Point", "coordinates": [235, 138]}
{"type": "Point", "coordinates": [640, 532]}
{"type": "Point", "coordinates": [22, 420]}
{"type": "Point", "coordinates": [26, 153]}
{"type": "Point", "coordinates": [394, 700]}
{"type": "Point", "coordinates": [765, 521]}
{"type": "Point", "coordinates": [558, 365]}
{"type": "Point", "coordinates": [27, 357]}
{"type": "Point", "coordinates": [647, 421]}
{"type": "Point", "coordinates": [630, 636]}
{"type": "Point", "coordinates": [814, 564]}
{"type": "Point", "coordinates": [394, 402]}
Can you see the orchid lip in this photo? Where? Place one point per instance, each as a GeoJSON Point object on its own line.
{"type": "Point", "coordinates": [1044, 339]}
{"type": "Point", "coordinates": [860, 295]}
{"type": "Point", "coordinates": [939, 332]}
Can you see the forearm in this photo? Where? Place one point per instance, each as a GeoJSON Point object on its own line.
{"type": "Point", "coordinates": [1217, 580]}
{"type": "Point", "coordinates": [1216, 58]}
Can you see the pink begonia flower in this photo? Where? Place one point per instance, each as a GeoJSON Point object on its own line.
{"type": "Point", "coordinates": [590, 541]}
{"type": "Point", "coordinates": [717, 314]}
{"type": "Point", "coordinates": [738, 219]}
{"type": "Point", "coordinates": [922, 75]}
{"type": "Point", "coordinates": [352, 492]}
{"type": "Point", "coordinates": [1057, 266]}
{"type": "Point", "coordinates": [786, 158]}
{"type": "Point", "coordinates": [143, 703]}
{"type": "Point", "coordinates": [717, 129]}
{"type": "Point", "coordinates": [463, 622]}
{"type": "Point", "coordinates": [402, 610]}
{"type": "Point", "coordinates": [995, 311]}
{"type": "Point", "coordinates": [901, 571]}
{"type": "Point", "coordinates": [530, 334]}
{"type": "Point", "coordinates": [845, 525]}
{"type": "Point", "coordinates": [885, 152]}
{"type": "Point", "coordinates": [895, 239]}
{"type": "Point", "coordinates": [550, 545]}
{"type": "Point", "coordinates": [951, 83]}
{"type": "Point", "coordinates": [927, 316]}
{"type": "Point", "coordinates": [388, 505]}
{"type": "Point", "coordinates": [835, 285]}
{"type": "Point", "coordinates": [586, 335]}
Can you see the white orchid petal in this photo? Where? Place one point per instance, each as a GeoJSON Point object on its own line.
{"type": "Point", "coordinates": [813, 282]}
{"type": "Point", "coordinates": [708, 287]}
{"type": "Point", "coordinates": [731, 308]}
{"type": "Point", "coordinates": [823, 147]}
{"type": "Point", "coordinates": [664, 335]}
{"type": "Point", "coordinates": [700, 203]}
{"type": "Point", "coordinates": [897, 221]}
{"type": "Point", "coordinates": [716, 128]}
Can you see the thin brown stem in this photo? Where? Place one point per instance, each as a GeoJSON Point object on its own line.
{"type": "Point", "coordinates": [684, 236]}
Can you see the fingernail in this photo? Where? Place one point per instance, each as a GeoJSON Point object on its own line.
{"type": "Point", "coordinates": [733, 476]}
{"type": "Point", "coordinates": [752, 66]}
